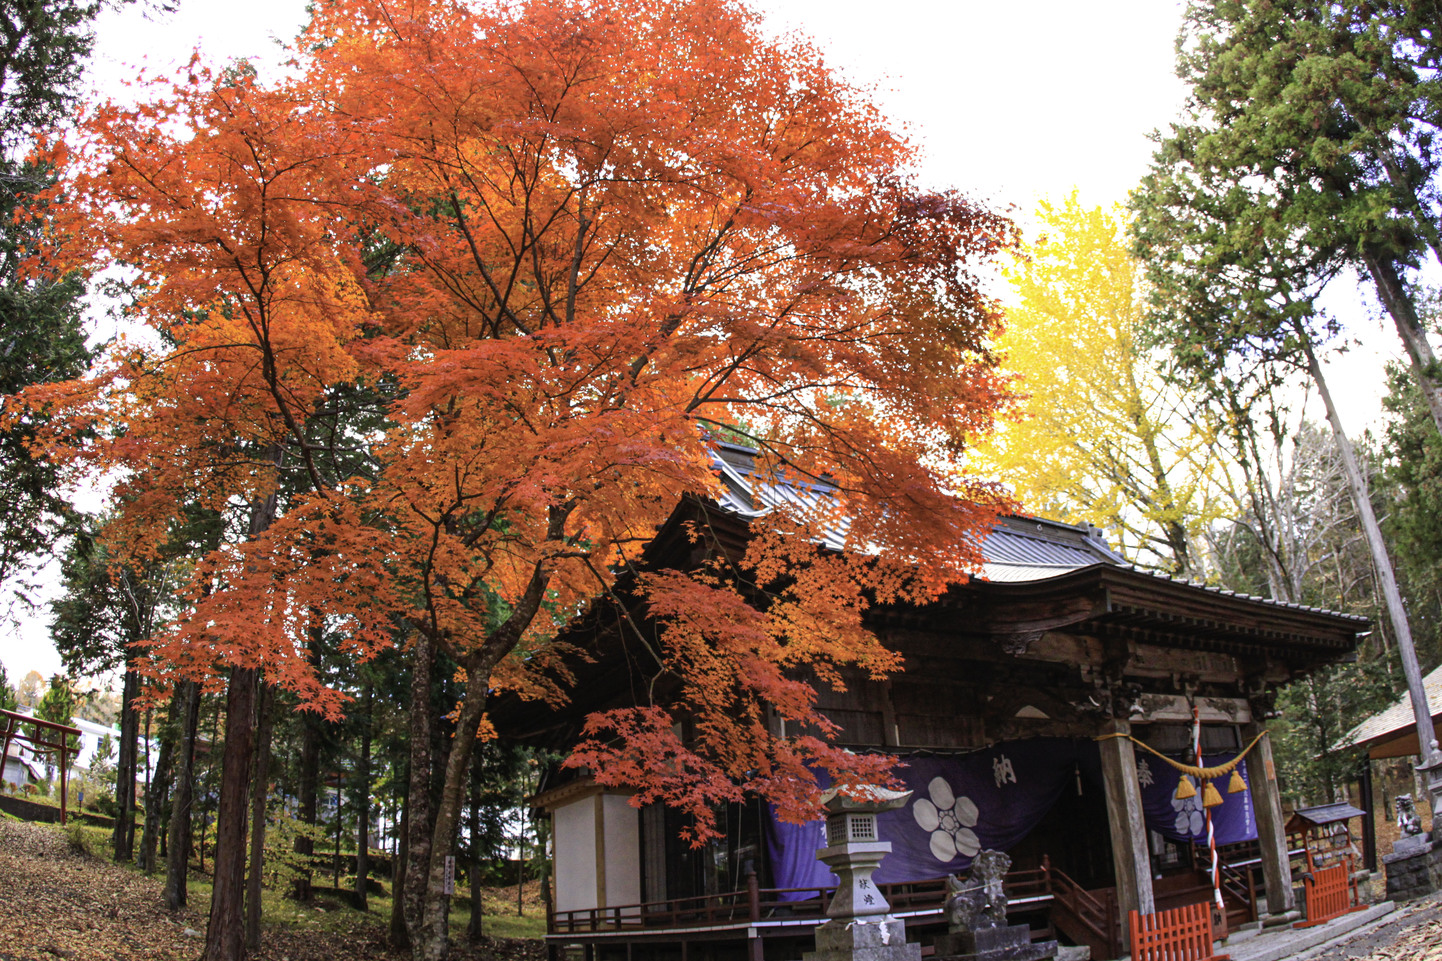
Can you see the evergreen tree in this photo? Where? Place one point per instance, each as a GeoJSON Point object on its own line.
{"type": "Point", "coordinates": [43, 49]}
{"type": "Point", "coordinates": [8, 701]}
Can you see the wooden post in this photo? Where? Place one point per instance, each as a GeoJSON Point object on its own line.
{"type": "Point", "coordinates": [1271, 834]}
{"type": "Point", "coordinates": [1124, 813]}
{"type": "Point", "coordinates": [5, 745]}
{"type": "Point", "coordinates": [1369, 819]}
{"type": "Point", "coordinates": [64, 766]}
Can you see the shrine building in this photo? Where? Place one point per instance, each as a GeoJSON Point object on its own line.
{"type": "Point", "coordinates": [1007, 713]}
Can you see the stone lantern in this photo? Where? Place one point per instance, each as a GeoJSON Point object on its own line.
{"type": "Point", "coordinates": [860, 927]}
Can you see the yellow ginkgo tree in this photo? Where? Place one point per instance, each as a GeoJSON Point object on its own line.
{"type": "Point", "coordinates": [1102, 437]}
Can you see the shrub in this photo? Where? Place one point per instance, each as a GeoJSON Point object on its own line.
{"type": "Point", "coordinates": [78, 837]}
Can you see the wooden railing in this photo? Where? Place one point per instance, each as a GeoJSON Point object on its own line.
{"type": "Point", "coordinates": [754, 903]}
{"type": "Point", "coordinates": [1240, 882]}
{"type": "Point", "coordinates": [1329, 893]}
{"type": "Point", "coordinates": [1179, 934]}
{"type": "Point", "coordinates": [1098, 916]}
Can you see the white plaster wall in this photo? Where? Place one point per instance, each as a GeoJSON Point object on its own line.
{"type": "Point", "coordinates": [574, 827]}
{"type": "Point", "coordinates": [622, 825]}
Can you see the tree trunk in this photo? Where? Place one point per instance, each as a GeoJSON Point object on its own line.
{"type": "Point", "coordinates": [123, 838]}
{"type": "Point", "coordinates": [363, 805]}
{"type": "Point", "coordinates": [339, 804]}
{"type": "Point", "coordinates": [177, 852]}
{"type": "Point", "coordinates": [158, 788]}
{"type": "Point", "coordinates": [521, 867]}
{"type": "Point", "coordinates": [543, 845]}
{"type": "Point", "coordinates": [259, 791]}
{"type": "Point", "coordinates": [1394, 296]}
{"type": "Point", "coordinates": [418, 806]}
{"type": "Point", "coordinates": [308, 778]}
{"type": "Point", "coordinates": [475, 928]}
{"type": "Point", "coordinates": [433, 943]}
{"type": "Point", "coordinates": [399, 934]}
{"type": "Point", "coordinates": [225, 935]}
{"type": "Point", "coordinates": [1396, 612]}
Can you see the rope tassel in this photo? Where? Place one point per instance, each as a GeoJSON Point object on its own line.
{"type": "Point", "coordinates": [1236, 785]}
{"type": "Point", "coordinates": [1210, 796]}
{"type": "Point", "coordinates": [1185, 788]}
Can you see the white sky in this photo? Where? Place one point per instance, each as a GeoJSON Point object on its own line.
{"type": "Point", "coordinates": [1010, 101]}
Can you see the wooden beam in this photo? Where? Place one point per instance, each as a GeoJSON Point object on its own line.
{"type": "Point", "coordinates": [1174, 707]}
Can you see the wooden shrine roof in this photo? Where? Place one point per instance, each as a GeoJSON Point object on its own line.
{"type": "Point", "coordinates": [1321, 815]}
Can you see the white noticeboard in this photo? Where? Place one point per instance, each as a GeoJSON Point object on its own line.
{"type": "Point", "coordinates": [450, 874]}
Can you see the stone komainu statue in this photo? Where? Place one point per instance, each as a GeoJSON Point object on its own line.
{"type": "Point", "coordinates": [1407, 820]}
{"type": "Point", "coordinates": [979, 901]}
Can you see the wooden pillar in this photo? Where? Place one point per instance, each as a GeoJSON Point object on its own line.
{"type": "Point", "coordinates": [1124, 813]}
{"type": "Point", "coordinates": [1271, 834]}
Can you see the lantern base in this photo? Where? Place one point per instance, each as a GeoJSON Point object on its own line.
{"type": "Point", "coordinates": [863, 939]}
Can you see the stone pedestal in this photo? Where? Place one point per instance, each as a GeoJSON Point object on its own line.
{"type": "Point", "coordinates": [976, 918]}
{"type": "Point", "coordinates": [874, 938]}
{"type": "Point", "coordinates": [1011, 942]}
{"type": "Point", "coordinates": [1414, 868]}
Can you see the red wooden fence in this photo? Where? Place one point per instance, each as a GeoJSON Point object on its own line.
{"type": "Point", "coordinates": [1329, 893]}
{"type": "Point", "coordinates": [1181, 934]}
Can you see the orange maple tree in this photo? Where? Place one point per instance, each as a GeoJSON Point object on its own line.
{"type": "Point", "coordinates": [529, 259]}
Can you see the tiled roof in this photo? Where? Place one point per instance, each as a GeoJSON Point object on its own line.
{"type": "Point", "coordinates": [1397, 718]}
{"type": "Point", "coordinates": [1016, 549]}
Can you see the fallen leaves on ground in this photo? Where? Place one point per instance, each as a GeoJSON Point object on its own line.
{"type": "Point", "coordinates": [1412, 933]}
{"type": "Point", "coordinates": [60, 903]}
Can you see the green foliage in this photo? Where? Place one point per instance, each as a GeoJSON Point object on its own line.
{"type": "Point", "coordinates": [1307, 148]}
{"type": "Point", "coordinates": [58, 702]}
{"type": "Point", "coordinates": [58, 706]}
{"type": "Point", "coordinates": [79, 838]}
{"type": "Point", "coordinates": [8, 700]}
{"type": "Point", "coordinates": [41, 340]}
{"type": "Point", "coordinates": [282, 864]}
{"type": "Point", "coordinates": [1412, 476]}
{"type": "Point", "coordinates": [107, 606]}
{"type": "Point", "coordinates": [41, 57]}
{"type": "Point", "coordinates": [43, 49]}
{"type": "Point", "coordinates": [1315, 712]}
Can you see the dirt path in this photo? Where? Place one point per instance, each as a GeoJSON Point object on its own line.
{"type": "Point", "coordinates": [57, 903]}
